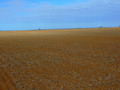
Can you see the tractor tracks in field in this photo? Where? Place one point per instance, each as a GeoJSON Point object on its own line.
{"type": "Point", "coordinates": [5, 81]}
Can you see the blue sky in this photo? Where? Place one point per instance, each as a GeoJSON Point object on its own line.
{"type": "Point", "coordinates": [51, 14]}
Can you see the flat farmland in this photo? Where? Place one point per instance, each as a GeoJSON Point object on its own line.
{"type": "Point", "coordinates": [71, 59]}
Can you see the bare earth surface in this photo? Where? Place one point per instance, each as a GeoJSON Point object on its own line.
{"type": "Point", "coordinates": [74, 59]}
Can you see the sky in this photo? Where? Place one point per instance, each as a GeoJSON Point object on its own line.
{"type": "Point", "coordinates": [58, 14]}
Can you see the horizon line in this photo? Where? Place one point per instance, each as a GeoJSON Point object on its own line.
{"type": "Point", "coordinates": [57, 29]}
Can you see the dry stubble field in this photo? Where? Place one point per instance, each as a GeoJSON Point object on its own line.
{"type": "Point", "coordinates": [74, 59]}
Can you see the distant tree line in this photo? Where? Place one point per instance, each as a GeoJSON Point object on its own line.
{"type": "Point", "coordinates": [101, 27]}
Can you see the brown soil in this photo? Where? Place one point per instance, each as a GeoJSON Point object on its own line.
{"type": "Point", "coordinates": [73, 59]}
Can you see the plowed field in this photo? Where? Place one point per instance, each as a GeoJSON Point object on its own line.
{"type": "Point", "coordinates": [72, 59]}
